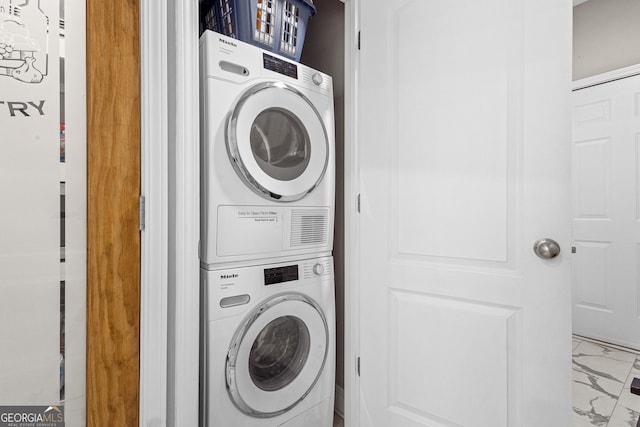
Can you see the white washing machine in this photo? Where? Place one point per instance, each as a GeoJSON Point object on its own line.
{"type": "Point", "coordinates": [267, 150]}
{"type": "Point", "coordinates": [268, 357]}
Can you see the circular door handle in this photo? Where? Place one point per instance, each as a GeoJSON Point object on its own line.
{"type": "Point", "coordinates": [546, 248]}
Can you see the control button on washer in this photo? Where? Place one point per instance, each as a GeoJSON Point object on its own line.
{"type": "Point", "coordinates": [318, 269]}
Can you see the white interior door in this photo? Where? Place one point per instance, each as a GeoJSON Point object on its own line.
{"type": "Point", "coordinates": [464, 163]}
{"type": "Point", "coordinates": [606, 211]}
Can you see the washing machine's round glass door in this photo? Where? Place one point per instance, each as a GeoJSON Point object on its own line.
{"type": "Point", "coordinates": [277, 355]}
{"type": "Point", "coordinates": [277, 141]}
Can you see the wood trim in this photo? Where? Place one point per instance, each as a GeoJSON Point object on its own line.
{"type": "Point", "coordinates": [113, 188]}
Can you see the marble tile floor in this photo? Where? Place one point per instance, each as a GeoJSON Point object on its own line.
{"type": "Point", "coordinates": [602, 378]}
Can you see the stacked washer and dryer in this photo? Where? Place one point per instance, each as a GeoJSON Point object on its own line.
{"type": "Point", "coordinates": [267, 215]}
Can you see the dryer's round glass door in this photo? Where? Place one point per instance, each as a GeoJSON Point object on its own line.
{"type": "Point", "coordinates": [277, 141]}
{"type": "Point", "coordinates": [277, 355]}
{"type": "Point", "coordinates": [280, 144]}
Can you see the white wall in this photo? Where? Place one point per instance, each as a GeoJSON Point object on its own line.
{"type": "Point", "coordinates": [606, 36]}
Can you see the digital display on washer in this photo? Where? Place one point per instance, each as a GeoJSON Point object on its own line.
{"type": "Point", "coordinates": [280, 66]}
{"type": "Point", "coordinates": [280, 274]}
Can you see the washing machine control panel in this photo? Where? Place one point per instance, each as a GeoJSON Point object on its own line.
{"type": "Point", "coordinates": [232, 291]}
{"type": "Point", "coordinates": [280, 274]}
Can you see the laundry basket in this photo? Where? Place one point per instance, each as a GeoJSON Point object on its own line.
{"type": "Point", "coordinates": [275, 25]}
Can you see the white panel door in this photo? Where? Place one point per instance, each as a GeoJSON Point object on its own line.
{"type": "Point", "coordinates": [464, 163]}
{"type": "Point", "coordinates": [606, 212]}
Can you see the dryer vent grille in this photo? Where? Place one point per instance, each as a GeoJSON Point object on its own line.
{"type": "Point", "coordinates": [309, 227]}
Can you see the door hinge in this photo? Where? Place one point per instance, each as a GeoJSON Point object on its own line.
{"type": "Point", "coordinates": [358, 203]}
{"type": "Point", "coordinates": [358, 366]}
{"type": "Point", "coordinates": [573, 249]}
{"type": "Point", "coordinates": [358, 40]}
{"type": "Point", "coordinates": [142, 213]}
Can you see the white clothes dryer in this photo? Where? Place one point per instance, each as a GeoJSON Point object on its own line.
{"type": "Point", "coordinates": [268, 357]}
{"type": "Point", "coordinates": [267, 150]}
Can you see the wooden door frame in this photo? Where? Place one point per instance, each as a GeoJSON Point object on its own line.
{"type": "Point", "coordinates": [113, 189]}
{"type": "Point", "coordinates": [142, 289]}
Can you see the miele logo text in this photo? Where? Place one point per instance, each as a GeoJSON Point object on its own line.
{"type": "Point", "coordinates": [228, 42]}
{"type": "Point", "coordinates": [228, 276]}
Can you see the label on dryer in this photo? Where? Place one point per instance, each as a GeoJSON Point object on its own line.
{"type": "Point", "coordinates": [246, 230]}
{"type": "Point", "coordinates": [259, 215]}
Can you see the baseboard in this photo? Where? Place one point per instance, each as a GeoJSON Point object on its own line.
{"type": "Point", "coordinates": [608, 344]}
{"type": "Point", "coordinates": [339, 401]}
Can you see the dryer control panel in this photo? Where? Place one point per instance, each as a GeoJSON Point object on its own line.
{"type": "Point", "coordinates": [280, 66]}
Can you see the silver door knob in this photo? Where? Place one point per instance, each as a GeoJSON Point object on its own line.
{"type": "Point", "coordinates": [546, 248]}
